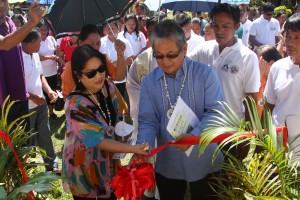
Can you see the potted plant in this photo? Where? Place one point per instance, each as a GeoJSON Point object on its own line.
{"type": "Point", "coordinates": [12, 184]}
{"type": "Point", "coordinates": [268, 173]}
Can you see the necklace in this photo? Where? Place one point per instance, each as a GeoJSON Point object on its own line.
{"type": "Point", "coordinates": [110, 129]}
{"type": "Point", "coordinates": [172, 106]}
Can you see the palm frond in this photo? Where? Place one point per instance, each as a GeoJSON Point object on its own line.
{"type": "Point", "coordinates": [270, 173]}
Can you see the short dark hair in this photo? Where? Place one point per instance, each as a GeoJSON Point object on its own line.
{"type": "Point", "coordinates": [182, 19]}
{"type": "Point", "coordinates": [19, 17]}
{"type": "Point", "coordinates": [293, 23]}
{"type": "Point", "coordinates": [80, 57]}
{"type": "Point", "coordinates": [268, 52]}
{"type": "Point", "coordinates": [114, 22]}
{"type": "Point", "coordinates": [268, 6]}
{"type": "Point", "coordinates": [86, 30]}
{"type": "Point", "coordinates": [231, 10]}
{"type": "Point", "coordinates": [169, 29]}
{"type": "Point", "coordinates": [32, 35]}
{"type": "Point", "coordinates": [158, 17]}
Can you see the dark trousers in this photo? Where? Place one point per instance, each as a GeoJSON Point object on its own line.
{"type": "Point", "coordinates": [175, 189]}
{"type": "Point", "coordinates": [39, 123]}
{"type": "Point", "coordinates": [19, 109]}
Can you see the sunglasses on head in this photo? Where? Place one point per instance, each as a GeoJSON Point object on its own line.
{"type": "Point", "coordinates": [169, 56]}
{"type": "Point", "coordinates": [92, 73]}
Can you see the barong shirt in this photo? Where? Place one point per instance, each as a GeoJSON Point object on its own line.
{"type": "Point", "coordinates": [201, 91]}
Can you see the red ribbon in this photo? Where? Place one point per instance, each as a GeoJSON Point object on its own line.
{"type": "Point", "coordinates": [220, 138]}
{"type": "Point", "coordinates": [131, 183]}
{"type": "Point", "coordinates": [6, 138]}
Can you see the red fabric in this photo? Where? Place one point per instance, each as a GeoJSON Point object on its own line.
{"type": "Point", "coordinates": [67, 47]}
{"type": "Point", "coordinates": [5, 137]}
{"type": "Point", "coordinates": [131, 183]}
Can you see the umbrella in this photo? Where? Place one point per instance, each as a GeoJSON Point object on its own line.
{"type": "Point", "coordinates": [238, 2]}
{"type": "Point", "coordinates": [71, 15]}
{"type": "Point", "coordinates": [190, 5]}
{"type": "Point", "coordinates": [48, 2]}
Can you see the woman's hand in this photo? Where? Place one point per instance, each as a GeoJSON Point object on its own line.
{"type": "Point", "coordinates": [141, 149]}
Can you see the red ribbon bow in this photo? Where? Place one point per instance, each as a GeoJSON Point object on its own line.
{"type": "Point", "coordinates": [131, 183]}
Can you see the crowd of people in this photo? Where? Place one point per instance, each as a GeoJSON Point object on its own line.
{"type": "Point", "coordinates": [148, 63]}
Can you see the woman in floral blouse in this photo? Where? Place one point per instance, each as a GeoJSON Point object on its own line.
{"type": "Point", "coordinates": [91, 113]}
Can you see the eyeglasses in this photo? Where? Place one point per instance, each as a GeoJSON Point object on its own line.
{"type": "Point", "coordinates": [169, 56]}
{"type": "Point", "coordinates": [91, 74]}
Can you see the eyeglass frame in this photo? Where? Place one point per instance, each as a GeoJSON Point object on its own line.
{"type": "Point", "coordinates": [172, 56]}
{"type": "Point", "coordinates": [91, 74]}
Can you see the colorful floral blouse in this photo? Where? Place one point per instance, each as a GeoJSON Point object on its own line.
{"type": "Point", "coordinates": [87, 167]}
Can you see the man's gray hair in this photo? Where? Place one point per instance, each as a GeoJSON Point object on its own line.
{"type": "Point", "coordinates": [168, 29]}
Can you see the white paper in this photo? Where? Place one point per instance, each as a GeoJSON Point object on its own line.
{"type": "Point", "coordinates": [182, 120]}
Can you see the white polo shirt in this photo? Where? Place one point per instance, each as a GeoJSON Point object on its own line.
{"type": "Point", "coordinates": [246, 31]}
{"type": "Point", "coordinates": [33, 71]}
{"type": "Point", "coordinates": [48, 48]}
{"type": "Point", "coordinates": [265, 31]}
{"type": "Point", "coordinates": [108, 48]}
{"type": "Point", "coordinates": [194, 41]}
{"type": "Point", "coordinates": [138, 42]}
{"type": "Point", "coordinates": [283, 90]}
{"type": "Point", "coordinates": [236, 67]}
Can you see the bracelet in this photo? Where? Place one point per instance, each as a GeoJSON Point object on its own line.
{"type": "Point", "coordinates": [120, 56]}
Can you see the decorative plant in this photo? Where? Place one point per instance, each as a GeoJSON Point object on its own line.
{"type": "Point", "coordinates": [284, 9]}
{"type": "Point", "coordinates": [267, 172]}
{"type": "Point", "coordinates": [12, 185]}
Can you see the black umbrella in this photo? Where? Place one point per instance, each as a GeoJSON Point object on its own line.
{"type": "Point", "coordinates": [71, 15]}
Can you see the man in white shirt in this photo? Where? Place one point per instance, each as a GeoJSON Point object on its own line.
{"type": "Point", "coordinates": [282, 91]}
{"type": "Point", "coordinates": [193, 40]}
{"type": "Point", "coordinates": [246, 24]}
{"type": "Point", "coordinates": [265, 29]}
{"type": "Point", "coordinates": [235, 65]}
{"type": "Point", "coordinates": [36, 83]}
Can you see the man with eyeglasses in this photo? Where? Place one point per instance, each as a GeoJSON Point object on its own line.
{"type": "Point", "coordinates": [178, 76]}
{"type": "Point", "coordinates": [265, 29]}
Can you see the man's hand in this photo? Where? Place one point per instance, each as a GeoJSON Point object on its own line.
{"type": "Point", "coordinates": [53, 96]}
{"type": "Point", "coordinates": [182, 147]}
{"type": "Point", "coordinates": [35, 13]}
{"type": "Point", "coordinates": [120, 47]}
{"type": "Point", "coordinates": [37, 99]}
{"type": "Point", "coordinates": [52, 57]}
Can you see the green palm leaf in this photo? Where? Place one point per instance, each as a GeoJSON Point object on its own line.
{"type": "Point", "coordinates": [270, 173]}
